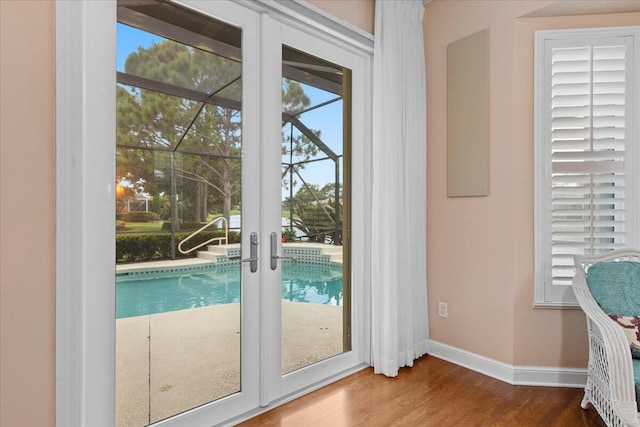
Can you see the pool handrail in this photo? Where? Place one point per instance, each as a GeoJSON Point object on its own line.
{"type": "Point", "coordinates": [220, 240]}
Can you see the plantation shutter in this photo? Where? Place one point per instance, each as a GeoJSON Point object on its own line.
{"type": "Point", "coordinates": [588, 142]}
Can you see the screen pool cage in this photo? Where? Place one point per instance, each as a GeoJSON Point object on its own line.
{"type": "Point", "coordinates": [179, 125]}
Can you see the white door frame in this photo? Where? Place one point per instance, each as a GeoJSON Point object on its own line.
{"type": "Point", "coordinates": [85, 193]}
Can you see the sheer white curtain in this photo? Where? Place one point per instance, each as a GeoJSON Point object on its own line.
{"type": "Point", "coordinates": [400, 329]}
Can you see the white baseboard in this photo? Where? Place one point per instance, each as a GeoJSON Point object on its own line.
{"type": "Point", "coordinates": [515, 375]}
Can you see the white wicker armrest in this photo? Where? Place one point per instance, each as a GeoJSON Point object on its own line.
{"type": "Point", "coordinates": [610, 383]}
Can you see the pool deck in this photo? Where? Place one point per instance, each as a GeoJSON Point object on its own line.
{"type": "Point", "coordinates": [167, 363]}
{"type": "Point", "coordinates": [162, 265]}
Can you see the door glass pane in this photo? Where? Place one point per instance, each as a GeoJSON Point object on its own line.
{"type": "Point", "coordinates": [178, 169]}
{"type": "Point", "coordinates": [315, 209]}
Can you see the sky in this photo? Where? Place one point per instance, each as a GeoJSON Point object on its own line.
{"type": "Point", "coordinates": [130, 39]}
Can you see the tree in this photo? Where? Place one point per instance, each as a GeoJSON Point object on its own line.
{"type": "Point", "coordinates": [154, 120]}
{"type": "Point", "coordinates": [149, 120]}
{"type": "Point", "coordinates": [294, 99]}
{"type": "Point", "coordinates": [296, 147]}
{"type": "Point", "coordinates": [314, 212]}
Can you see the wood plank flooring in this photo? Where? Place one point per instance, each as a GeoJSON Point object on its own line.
{"type": "Point", "coordinates": [432, 393]}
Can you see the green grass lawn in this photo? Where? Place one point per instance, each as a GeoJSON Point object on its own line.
{"type": "Point", "coordinates": [285, 214]}
{"type": "Point", "coordinates": [143, 226]}
{"type": "Point", "coordinates": [211, 217]}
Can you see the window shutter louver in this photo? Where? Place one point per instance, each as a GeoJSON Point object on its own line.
{"type": "Point", "coordinates": [588, 151]}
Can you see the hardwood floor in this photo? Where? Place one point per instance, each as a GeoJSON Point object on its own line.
{"type": "Point", "coordinates": [432, 393]}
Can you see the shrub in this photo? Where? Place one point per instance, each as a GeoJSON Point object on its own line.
{"type": "Point", "coordinates": [121, 225]}
{"type": "Point", "coordinates": [140, 217]}
{"type": "Point", "coordinates": [289, 235]}
{"type": "Point", "coordinates": [149, 246]}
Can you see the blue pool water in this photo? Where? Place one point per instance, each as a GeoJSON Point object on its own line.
{"type": "Point", "coordinates": [150, 293]}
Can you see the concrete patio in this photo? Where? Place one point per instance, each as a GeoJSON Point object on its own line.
{"type": "Point", "coordinates": [171, 362]}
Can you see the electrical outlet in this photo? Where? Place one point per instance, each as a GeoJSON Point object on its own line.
{"type": "Point", "coordinates": [443, 309]}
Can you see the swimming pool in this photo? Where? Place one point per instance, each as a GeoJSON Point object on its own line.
{"type": "Point", "coordinates": [140, 294]}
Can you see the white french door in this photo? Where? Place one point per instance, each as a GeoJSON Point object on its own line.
{"type": "Point", "coordinates": [286, 53]}
{"type": "Point", "coordinates": [298, 176]}
{"type": "Point", "coordinates": [86, 106]}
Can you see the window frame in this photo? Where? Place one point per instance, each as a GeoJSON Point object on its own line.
{"type": "Point", "coordinates": [547, 295]}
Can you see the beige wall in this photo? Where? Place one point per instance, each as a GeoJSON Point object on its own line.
{"type": "Point", "coordinates": [469, 246]}
{"type": "Point", "coordinates": [357, 12]}
{"type": "Point", "coordinates": [480, 250]}
{"type": "Point", "coordinates": [27, 207]}
{"type": "Point", "coordinates": [27, 214]}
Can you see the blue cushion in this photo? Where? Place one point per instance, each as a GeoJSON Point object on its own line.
{"type": "Point", "coordinates": [616, 286]}
{"type": "Point", "coordinates": [636, 380]}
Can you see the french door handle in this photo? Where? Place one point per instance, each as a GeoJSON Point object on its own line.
{"type": "Point", "coordinates": [274, 249]}
{"type": "Point", "coordinates": [253, 253]}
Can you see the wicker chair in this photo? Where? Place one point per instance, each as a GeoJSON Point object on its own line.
{"type": "Point", "coordinates": [610, 378]}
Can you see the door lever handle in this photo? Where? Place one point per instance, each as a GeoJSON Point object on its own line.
{"type": "Point", "coordinates": [291, 257]}
{"type": "Point", "coordinates": [235, 257]}
{"type": "Point", "coordinates": [253, 253]}
{"type": "Point", "coordinates": [274, 249]}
